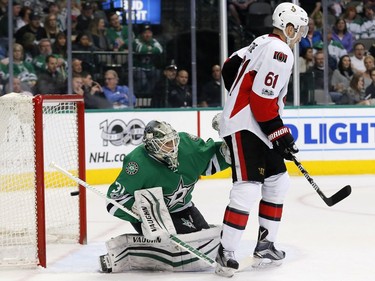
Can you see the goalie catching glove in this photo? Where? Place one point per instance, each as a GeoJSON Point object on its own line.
{"type": "Point", "coordinates": [283, 142]}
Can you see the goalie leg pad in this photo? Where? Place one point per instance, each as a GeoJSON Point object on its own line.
{"type": "Point", "coordinates": [135, 252]}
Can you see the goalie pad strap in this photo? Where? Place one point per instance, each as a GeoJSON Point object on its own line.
{"type": "Point", "coordinates": [135, 252]}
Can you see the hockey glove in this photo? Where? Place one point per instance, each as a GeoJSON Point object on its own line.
{"type": "Point", "coordinates": [283, 142]}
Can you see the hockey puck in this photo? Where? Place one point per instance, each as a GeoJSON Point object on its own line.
{"type": "Point", "coordinates": [74, 193]}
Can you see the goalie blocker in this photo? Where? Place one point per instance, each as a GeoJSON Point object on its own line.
{"type": "Point", "coordinates": [135, 252]}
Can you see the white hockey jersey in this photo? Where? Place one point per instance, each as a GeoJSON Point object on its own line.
{"type": "Point", "coordinates": [259, 90]}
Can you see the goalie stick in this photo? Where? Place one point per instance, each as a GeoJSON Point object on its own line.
{"type": "Point", "coordinates": [173, 238]}
{"type": "Point", "coordinates": [330, 201]}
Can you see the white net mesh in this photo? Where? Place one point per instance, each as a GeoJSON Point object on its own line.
{"type": "Point", "coordinates": [18, 213]}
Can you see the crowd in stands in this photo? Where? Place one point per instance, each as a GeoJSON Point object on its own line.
{"type": "Point", "coordinates": [40, 54]}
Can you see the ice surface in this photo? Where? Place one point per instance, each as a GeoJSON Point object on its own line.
{"type": "Point", "coordinates": [322, 243]}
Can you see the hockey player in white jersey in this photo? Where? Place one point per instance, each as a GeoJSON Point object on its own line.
{"type": "Point", "coordinates": [254, 131]}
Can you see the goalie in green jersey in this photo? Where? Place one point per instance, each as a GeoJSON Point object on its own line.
{"type": "Point", "coordinates": [173, 161]}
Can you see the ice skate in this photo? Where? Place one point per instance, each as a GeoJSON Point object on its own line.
{"type": "Point", "coordinates": [265, 253]}
{"type": "Point", "coordinates": [105, 264]}
{"type": "Point", "coordinates": [226, 263]}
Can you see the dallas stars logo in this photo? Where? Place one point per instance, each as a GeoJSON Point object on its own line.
{"type": "Point", "coordinates": [179, 195]}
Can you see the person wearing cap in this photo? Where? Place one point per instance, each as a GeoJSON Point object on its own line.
{"type": "Point", "coordinates": [147, 49]}
{"type": "Point", "coordinates": [33, 27]}
{"type": "Point", "coordinates": [85, 18]}
{"type": "Point", "coordinates": [163, 86]}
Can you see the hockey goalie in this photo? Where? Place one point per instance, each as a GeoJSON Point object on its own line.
{"type": "Point", "coordinates": [156, 182]}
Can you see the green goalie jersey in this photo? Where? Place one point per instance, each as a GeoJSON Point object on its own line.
{"type": "Point", "coordinates": [140, 171]}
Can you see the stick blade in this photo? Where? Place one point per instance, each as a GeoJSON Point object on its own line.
{"type": "Point", "coordinates": [338, 196]}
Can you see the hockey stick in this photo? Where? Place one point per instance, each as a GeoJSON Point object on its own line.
{"type": "Point", "coordinates": [173, 238]}
{"type": "Point", "coordinates": [330, 201]}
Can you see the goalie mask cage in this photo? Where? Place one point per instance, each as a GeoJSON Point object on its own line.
{"type": "Point", "coordinates": [36, 206]}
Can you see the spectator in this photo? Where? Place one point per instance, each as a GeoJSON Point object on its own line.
{"type": "Point", "coordinates": [341, 34]}
{"type": "Point", "coordinates": [45, 49]}
{"type": "Point", "coordinates": [370, 90]}
{"type": "Point", "coordinates": [51, 81]}
{"type": "Point", "coordinates": [118, 96]}
{"type": "Point", "coordinates": [306, 60]}
{"type": "Point", "coordinates": [180, 93]}
{"type": "Point", "coordinates": [51, 28]}
{"type": "Point", "coordinates": [353, 21]}
{"type": "Point", "coordinates": [77, 85]}
{"type": "Point", "coordinates": [4, 20]}
{"type": "Point", "coordinates": [163, 86]}
{"type": "Point", "coordinates": [368, 26]}
{"type": "Point", "coordinates": [24, 17]}
{"type": "Point", "coordinates": [85, 18]}
{"type": "Point", "coordinates": [59, 11]}
{"type": "Point", "coordinates": [211, 90]}
{"type": "Point", "coordinates": [317, 16]}
{"type": "Point", "coordinates": [77, 66]}
{"type": "Point", "coordinates": [238, 10]}
{"type": "Point", "coordinates": [117, 34]}
{"type": "Point", "coordinates": [23, 70]}
{"type": "Point", "coordinates": [369, 64]}
{"type": "Point", "coordinates": [18, 87]}
{"type": "Point", "coordinates": [147, 49]}
{"type": "Point", "coordinates": [341, 78]}
{"type": "Point", "coordinates": [313, 36]}
{"type": "Point", "coordinates": [98, 32]}
{"type": "Point", "coordinates": [93, 93]}
{"type": "Point", "coordinates": [30, 49]}
{"type": "Point", "coordinates": [358, 57]}
{"type": "Point", "coordinates": [356, 92]}
{"type": "Point", "coordinates": [59, 47]}
{"type": "Point", "coordinates": [33, 27]}
{"type": "Point", "coordinates": [84, 47]}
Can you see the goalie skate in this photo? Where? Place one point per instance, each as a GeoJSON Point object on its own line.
{"type": "Point", "coordinates": [105, 264]}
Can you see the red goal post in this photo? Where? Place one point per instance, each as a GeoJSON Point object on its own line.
{"type": "Point", "coordinates": [36, 206]}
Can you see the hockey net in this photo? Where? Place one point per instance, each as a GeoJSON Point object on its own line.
{"type": "Point", "coordinates": [36, 206]}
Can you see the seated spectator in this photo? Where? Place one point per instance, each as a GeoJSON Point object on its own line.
{"type": "Point", "coordinates": [306, 60]}
{"type": "Point", "coordinates": [93, 93]}
{"type": "Point", "coordinates": [313, 36]}
{"type": "Point", "coordinates": [358, 57]}
{"type": "Point", "coordinates": [118, 96]}
{"type": "Point", "coordinates": [51, 28]}
{"type": "Point", "coordinates": [45, 49]}
{"type": "Point", "coordinates": [21, 69]}
{"type": "Point", "coordinates": [211, 90]}
{"type": "Point", "coordinates": [368, 25]}
{"type": "Point", "coordinates": [4, 19]}
{"type": "Point", "coordinates": [369, 62]}
{"type": "Point", "coordinates": [370, 90]}
{"type": "Point", "coordinates": [341, 78]}
{"type": "Point", "coordinates": [353, 21]}
{"type": "Point", "coordinates": [180, 94]}
{"type": "Point", "coordinates": [355, 95]}
{"type": "Point", "coordinates": [85, 18]}
{"type": "Point", "coordinates": [341, 34]}
{"type": "Point", "coordinates": [117, 34]}
{"type": "Point", "coordinates": [84, 48]}
{"type": "Point", "coordinates": [146, 50]}
{"type": "Point", "coordinates": [33, 27]}
{"type": "Point", "coordinates": [51, 81]}
{"type": "Point", "coordinates": [23, 18]}
{"type": "Point", "coordinates": [17, 88]}
{"type": "Point", "coordinates": [98, 32]}
{"type": "Point", "coordinates": [77, 66]}
{"type": "Point", "coordinates": [163, 86]}
{"type": "Point", "coordinates": [31, 50]}
{"type": "Point", "coordinates": [59, 47]}
{"type": "Point", "coordinates": [77, 85]}
{"type": "Point", "coordinates": [238, 10]}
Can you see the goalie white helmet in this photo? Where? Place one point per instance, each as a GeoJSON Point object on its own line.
{"type": "Point", "coordinates": [290, 13]}
{"type": "Point", "coordinates": [161, 141]}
